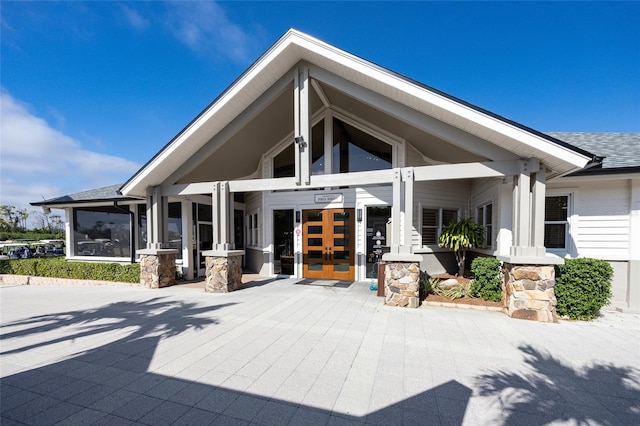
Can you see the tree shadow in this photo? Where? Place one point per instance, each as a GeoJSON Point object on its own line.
{"type": "Point", "coordinates": [600, 394]}
{"type": "Point", "coordinates": [156, 316]}
{"type": "Point", "coordinates": [114, 384]}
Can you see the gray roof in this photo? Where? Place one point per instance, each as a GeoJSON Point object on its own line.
{"type": "Point", "coordinates": [107, 193]}
{"type": "Point", "coordinates": [619, 149]}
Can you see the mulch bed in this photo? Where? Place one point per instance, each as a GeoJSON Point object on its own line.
{"type": "Point", "coordinates": [475, 301]}
{"type": "Point", "coordinates": [463, 300]}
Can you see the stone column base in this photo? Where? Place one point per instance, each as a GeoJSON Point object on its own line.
{"type": "Point", "coordinates": [528, 291]}
{"type": "Point", "coordinates": [223, 273]}
{"type": "Point", "coordinates": [157, 267]}
{"type": "Point", "coordinates": [401, 283]}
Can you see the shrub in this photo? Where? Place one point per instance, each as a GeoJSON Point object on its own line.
{"type": "Point", "coordinates": [58, 267]}
{"type": "Point", "coordinates": [583, 287]}
{"type": "Point", "coordinates": [486, 283]}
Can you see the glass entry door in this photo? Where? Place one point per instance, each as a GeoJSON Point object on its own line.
{"type": "Point", "coordinates": [205, 242]}
{"type": "Point", "coordinates": [328, 244]}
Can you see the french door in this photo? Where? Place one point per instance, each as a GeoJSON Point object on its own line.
{"type": "Point", "coordinates": [328, 246]}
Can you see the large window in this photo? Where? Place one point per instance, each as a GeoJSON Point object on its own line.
{"type": "Point", "coordinates": [556, 221]}
{"type": "Point", "coordinates": [175, 228]}
{"type": "Point", "coordinates": [101, 231]}
{"type": "Point", "coordinates": [432, 222]}
{"type": "Point", "coordinates": [353, 151]}
{"type": "Point", "coordinates": [485, 218]}
{"type": "Point", "coordinates": [357, 151]}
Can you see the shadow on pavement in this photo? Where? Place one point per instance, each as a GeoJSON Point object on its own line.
{"type": "Point", "coordinates": [112, 384]}
{"type": "Point", "coordinates": [555, 392]}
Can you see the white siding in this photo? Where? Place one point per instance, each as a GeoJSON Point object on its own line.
{"type": "Point", "coordinates": [600, 220]}
{"type": "Point", "coordinates": [483, 192]}
{"type": "Point", "coordinates": [438, 194]}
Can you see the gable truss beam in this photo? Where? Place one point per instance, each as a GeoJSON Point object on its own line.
{"type": "Point", "coordinates": [442, 130]}
{"type": "Point", "coordinates": [377, 177]}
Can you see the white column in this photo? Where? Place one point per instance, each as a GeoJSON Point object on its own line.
{"type": "Point", "coordinates": [521, 208]}
{"type": "Point", "coordinates": [188, 264]}
{"type": "Point", "coordinates": [302, 126]}
{"type": "Point", "coordinates": [156, 208]}
{"type": "Point", "coordinates": [223, 215]}
{"type": "Point", "coordinates": [215, 217]}
{"type": "Point", "coordinates": [328, 144]}
{"type": "Point", "coordinates": [538, 195]}
{"type": "Point", "coordinates": [407, 177]}
{"type": "Point", "coordinates": [394, 241]}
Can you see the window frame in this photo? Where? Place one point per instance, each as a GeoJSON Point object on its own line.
{"type": "Point", "coordinates": [566, 223]}
{"type": "Point", "coordinates": [439, 226]}
{"type": "Point", "coordinates": [481, 219]}
{"type": "Point", "coordinates": [252, 228]}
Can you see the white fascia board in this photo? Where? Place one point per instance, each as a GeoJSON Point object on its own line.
{"type": "Point", "coordinates": [204, 127]}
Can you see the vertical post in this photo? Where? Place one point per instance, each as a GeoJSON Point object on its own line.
{"type": "Point", "coordinates": [223, 217]}
{"type": "Point", "coordinates": [537, 221]}
{"type": "Point", "coordinates": [328, 143]}
{"type": "Point", "coordinates": [521, 194]}
{"type": "Point", "coordinates": [395, 211]}
{"type": "Point", "coordinates": [155, 218]}
{"type": "Point", "coordinates": [305, 126]}
{"type": "Point", "coordinates": [188, 262]}
{"type": "Point", "coordinates": [215, 197]}
{"type": "Point", "coordinates": [408, 208]}
{"type": "Point", "coordinates": [302, 126]}
{"type": "Point", "coordinates": [151, 237]}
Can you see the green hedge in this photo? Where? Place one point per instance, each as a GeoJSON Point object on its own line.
{"type": "Point", "coordinates": [486, 283]}
{"type": "Point", "coordinates": [583, 287]}
{"type": "Point", "coordinates": [58, 267]}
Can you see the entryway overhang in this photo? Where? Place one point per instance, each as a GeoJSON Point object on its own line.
{"type": "Point", "coordinates": [367, 82]}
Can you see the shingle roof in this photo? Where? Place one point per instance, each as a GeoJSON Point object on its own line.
{"type": "Point", "coordinates": [107, 193]}
{"type": "Point", "coordinates": [619, 149]}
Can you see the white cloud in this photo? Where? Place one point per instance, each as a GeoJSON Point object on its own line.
{"type": "Point", "coordinates": [205, 28]}
{"type": "Point", "coordinates": [37, 160]}
{"type": "Point", "coordinates": [134, 18]}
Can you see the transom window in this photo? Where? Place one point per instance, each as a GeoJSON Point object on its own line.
{"type": "Point", "coordinates": [433, 221]}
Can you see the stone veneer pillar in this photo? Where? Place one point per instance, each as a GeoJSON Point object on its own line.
{"type": "Point", "coordinates": [529, 291]}
{"type": "Point", "coordinates": [223, 271]}
{"type": "Point", "coordinates": [402, 280]}
{"type": "Point", "coordinates": [157, 267]}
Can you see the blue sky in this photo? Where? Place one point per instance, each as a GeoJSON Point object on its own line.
{"type": "Point", "coordinates": [92, 90]}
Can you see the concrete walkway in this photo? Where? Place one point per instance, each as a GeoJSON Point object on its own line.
{"type": "Point", "coordinates": [278, 353]}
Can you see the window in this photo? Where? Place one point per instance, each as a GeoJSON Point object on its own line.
{"type": "Point", "coordinates": [253, 229]}
{"type": "Point", "coordinates": [485, 218]}
{"type": "Point", "coordinates": [175, 228]}
{"type": "Point", "coordinates": [357, 151]}
{"type": "Point", "coordinates": [556, 221]}
{"type": "Point", "coordinates": [432, 222]}
{"type": "Point", "coordinates": [101, 231]}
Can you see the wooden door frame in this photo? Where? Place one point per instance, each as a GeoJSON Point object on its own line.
{"type": "Point", "coordinates": [328, 248]}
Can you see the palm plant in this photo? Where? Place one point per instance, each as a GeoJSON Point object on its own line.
{"type": "Point", "coordinates": [461, 236]}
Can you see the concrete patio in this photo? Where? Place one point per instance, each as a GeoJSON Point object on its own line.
{"type": "Point", "coordinates": [277, 353]}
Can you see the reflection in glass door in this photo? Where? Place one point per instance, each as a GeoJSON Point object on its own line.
{"type": "Point", "coordinates": [328, 244]}
{"type": "Point", "coordinates": [205, 242]}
